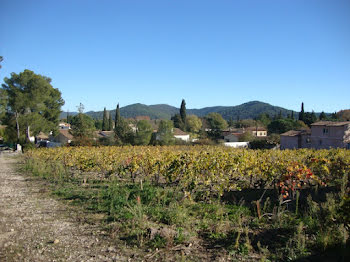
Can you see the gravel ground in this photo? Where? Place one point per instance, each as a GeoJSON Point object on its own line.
{"type": "Point", "coordinates": [35, 227]}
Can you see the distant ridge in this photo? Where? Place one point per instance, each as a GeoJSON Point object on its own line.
{"type": "Point", "coordinates": [163, 111]}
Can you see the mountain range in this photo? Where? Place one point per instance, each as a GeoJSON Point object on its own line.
{"type": "Point", "coordinates": [163, 111]}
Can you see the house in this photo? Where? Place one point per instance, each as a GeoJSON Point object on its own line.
{"type": "Point", "coordinates": [179, 134]}
{"type": "Point", "coordinates": [138, 118]}
{"type": "Point", "coordinates": [294, 139]}
{"type": "Point", "coordinates": [323, 135]}
{"type": "Point", "coordinates": [327, 134]}
{"type": "Point", "coordinates": [41, 137]}
{"type": "Point", "coordinates": [63, 137]}
{"type": "Point", "coordinates": [257, 131]}
{"type": "Point", "coordinates": [232, 137]}
{"type": "Point", "coordinates": [63, 125]}
{"type": "Point", "coordinates": [237, 144]}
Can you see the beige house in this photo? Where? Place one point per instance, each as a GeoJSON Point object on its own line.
{"type": "Point", "coordinates": [257, 131]}
{"type": "Point", "coordinates": [323, 135]}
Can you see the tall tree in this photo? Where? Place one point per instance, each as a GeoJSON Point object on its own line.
{"type": "Point", "coordinates": [110, 122]}
{"type": "Point", "coordinates": [104, 120]}
{"type": "Point", "coordinates": [322, 116]}
{"type": "Point", "coordinates": [302, 113]}
{"type": "Point", "coordinates": [183, 112]}
{"type": "Point", "coordinates": [82, 128]}
{"type": "Point", "coordinates": [165, 132]}
{"type": "Point", "coordinates": [216, 124]}
{"type": "Point", "coordinates": [143, 133]}
{"type": "Point", "coordinates": [123, 132]}
{"type": "Point", "coordinates": [117, 116]}
{"type": "Point", "coordinates": [33, 105]}
{"type": "Point", "coordinates": [178, 121]}
{"type": "Point", "coordinates": [194, 124]}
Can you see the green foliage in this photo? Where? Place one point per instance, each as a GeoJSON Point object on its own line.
{"type": "Point", "coordinates": [105, 121]}
{"type": "Point", "coordinates": [123, 132]}
{"type": "Point", "coordinates": [32, 103]}
{"type": "Point", "coordinates": [216, 122]}
{"type": "Point", "coordinates": [82, 127]}
{"type": "Point", "coordinates": [110, 122]}
{"type": "Point", "coordinates": [165, 133]}
{"type": "Point", "coordinates": [194, 124]}
{"type": "Point", "coordinates": [280, 126]}
{"type": "Point", "coordinates": [143, 133]}
{"type": "Point", "coordinates": [3, 104]}
{"type": "Point", "coordinates": [183, 113]}
{"type": "Point", "coordinates": [246, 137]}
{"type": "Point", "coordinates": [178, 121]}
{"type": "Point", "coordinates": [323, 116]}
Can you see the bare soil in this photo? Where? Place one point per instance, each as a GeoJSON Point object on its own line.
{"type": "Point", "coordinates": [36, 227]}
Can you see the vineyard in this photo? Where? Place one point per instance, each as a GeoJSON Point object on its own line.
{"type": "Point", "coordinates": [185, 188]}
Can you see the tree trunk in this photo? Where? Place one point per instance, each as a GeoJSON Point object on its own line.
{"type": "Point", "coordinates": [17, 125]}
{"type": "Point", "coordinates": [28, 133]}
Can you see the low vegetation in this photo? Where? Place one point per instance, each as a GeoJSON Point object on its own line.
{"type": "Point", "coordinates": [209, 202]}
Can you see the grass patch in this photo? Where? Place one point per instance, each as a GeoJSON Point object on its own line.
{"type": "Point", "coordinates": [155, 216]}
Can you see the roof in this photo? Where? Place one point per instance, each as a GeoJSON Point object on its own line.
{"type": "Point", "coordinates": [101, 134]}
{"type": "Point", "coordinates": [330, 123]}
{"type": "Point", "coordinates": [138, 118]}
{"type": "Point", "coordinates": [43, 136]}
{"type": "Point", "coordinates": [256, 128]}
{"type": "Point", "coordinates": [296, 133]}
{"type": "Point", "coordinates": [234, 134]}
{"type": "Point", "coordinates": [65, 133]}
{"type": "Point", "coordinates": [179, 132]}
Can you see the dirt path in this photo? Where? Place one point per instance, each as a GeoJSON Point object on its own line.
{"type": "Point", "coordinates": [35, 227]}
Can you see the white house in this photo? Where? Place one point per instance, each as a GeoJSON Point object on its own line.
{"type": "Point", "coordinates": [179, 134]}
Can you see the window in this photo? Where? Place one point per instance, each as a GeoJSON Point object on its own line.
{"type": "Point", "coordinates": [308, 140]}
{"type": "Point", "coordinates": [325, 131]}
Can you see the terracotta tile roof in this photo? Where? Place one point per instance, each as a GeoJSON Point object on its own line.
{"type": "Point", "coordinates": [42, 136]}
{"type": "Point", "coordinates": [179, 132]}
{"type": "Point", "coordinates": [330, 123]}
{"type": "Point", "coordinates": [65, 132]}
{"type": "Point", "coordinates": [254, 129]}
{"type": "Point", "coordinates": [138, 118]}
{"type": "Point", "coordinates": [296, 133]}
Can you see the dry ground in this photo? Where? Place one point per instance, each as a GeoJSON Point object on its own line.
{"type": "Point", "coordinates": [36, 227]}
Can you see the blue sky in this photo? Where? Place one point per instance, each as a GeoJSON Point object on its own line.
{"type": "Point", "coordinates": [224, 52]}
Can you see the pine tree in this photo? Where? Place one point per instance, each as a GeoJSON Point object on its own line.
{"type": "Point", "coordinates": [183, 112]}
{"type": "Point", "coordinates": [323, 116]}
{"type": "Point", "coordinates": [104, 120]}
{"type": "Point", "coordinates": [110, 122]}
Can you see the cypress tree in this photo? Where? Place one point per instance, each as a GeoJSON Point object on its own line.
{"type": "Point", "coordinates": [302, 113]}
{"type": "Point", "coordinates": [104, 120]}
{"type": "Point", "coordinates": [117, 116]}
{"type": "Point", "coordinates": [183, 112]}
{"type": "Point", "coordinates": [110, 122]}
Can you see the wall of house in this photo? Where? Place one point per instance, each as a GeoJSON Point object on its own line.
{"type": "Point", "coordinates": [231, 138]}
{"type": "Point", "coordinates": [289, 142]}
{"type": "Point", "coordinates": [183, 137]}
{"type": "Point", "coordinates": [323, 137]}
